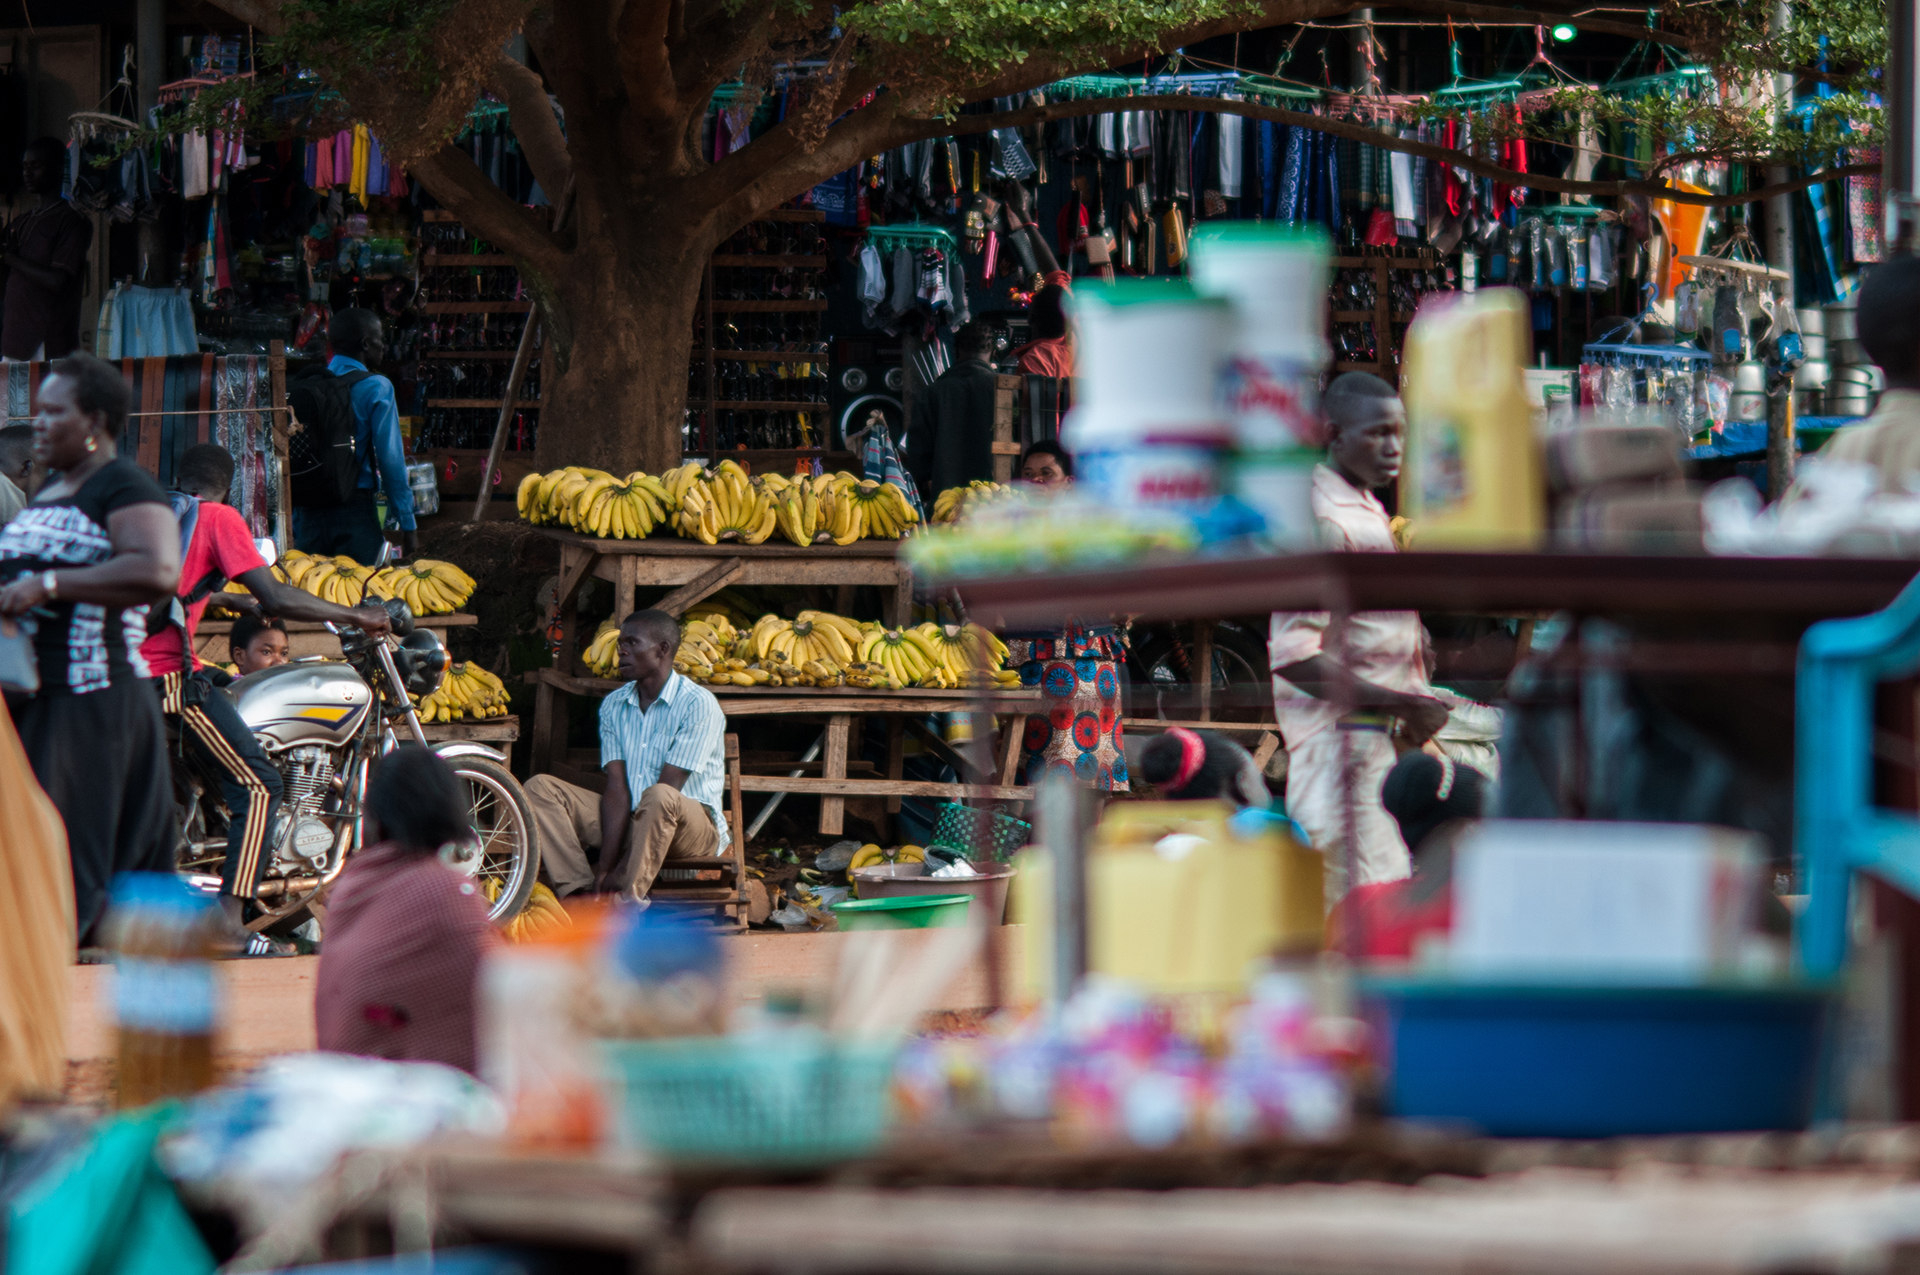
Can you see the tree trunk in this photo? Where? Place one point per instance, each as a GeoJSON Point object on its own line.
{"type": "Point", "coordinates": [619, 332]}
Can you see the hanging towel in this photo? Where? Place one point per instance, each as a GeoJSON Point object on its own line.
{"type": "Point", "coordinates": [357, 180]}
{"type": "Point", "coordinates": [1403, 202]}
{"type": "Point", "coordinates": [322, 164]}
{"type": "Point", "coordinates": [1232, 162]}
{"type": "Point", "coordinates": [1865, 209]}
{"type": "Point", "coordinates": [904, 280]}
{"type": "Point", "coordinates": [872, 282]}
{"type": "Point", "coordinates": [193, 165]}
{"type": "Point", "coordinates": [376, 166]}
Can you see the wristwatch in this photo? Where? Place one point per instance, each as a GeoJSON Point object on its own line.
{"type": "Point", "coordinates": [50, 585]}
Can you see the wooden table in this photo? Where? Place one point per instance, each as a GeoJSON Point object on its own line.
{"type": "Point", "coordinates": [839, 708]}
{"type": "Point", "coordinates": [490, 730]}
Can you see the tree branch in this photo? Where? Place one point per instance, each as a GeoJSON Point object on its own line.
{"type": "Point", "coordinates": [641, 36]}
{"type": "Point", "coordinates": [534, 123]}
{"type": "Point", "coordinates": [451, 177]}
{"type": "Point", "coordinates": [969, 124]}
{"type": "Point", "coordinates": [1470, 13]}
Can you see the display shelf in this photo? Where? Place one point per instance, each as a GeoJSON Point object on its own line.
{"type": "Point", "coordinates": [440, 260]}
{"type": "Point", "coordinates": [766, 356]}
{"type": "Point", "coordinates": [786, 261]}
{"type": "Point", "coordinates": [476, 307]}
{"type": "Point", "coordinates": [770, 307]}
{"type": "Point", "coordinates": [1382, 316]}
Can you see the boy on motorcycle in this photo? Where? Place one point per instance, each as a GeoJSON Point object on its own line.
{"type": "Point", "coordinates": [219, 548]}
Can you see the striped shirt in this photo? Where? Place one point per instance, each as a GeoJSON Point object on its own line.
{"type": "Point", "coordinates": [684, 727]}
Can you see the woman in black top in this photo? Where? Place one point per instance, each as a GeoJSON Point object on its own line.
{"type": "Point", "coordinates": [82, 563]}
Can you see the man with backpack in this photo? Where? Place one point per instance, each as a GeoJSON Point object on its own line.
{"type": "Point", "coordinates": [216, 546]}
{"type": "Point", "coordinates": [347, 446]}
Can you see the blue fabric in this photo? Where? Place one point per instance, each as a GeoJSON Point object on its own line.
{"type": "Point", "coordinates": [880, 461]}
{"type": "Point", "coordinates": [685, 727]}
{"type": "Point", "coordinates": [1272, 143]}
{"type": "Point", "coordinates": [377, 438]}
{"type": "Point", "coordinates": [150, 323]}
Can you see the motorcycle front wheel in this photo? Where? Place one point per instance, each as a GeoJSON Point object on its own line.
{"type": "Point", "coordinates": [502, 819]}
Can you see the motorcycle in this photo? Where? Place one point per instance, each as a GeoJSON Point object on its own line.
{"type": "Point", "coordinates": [325, 725]}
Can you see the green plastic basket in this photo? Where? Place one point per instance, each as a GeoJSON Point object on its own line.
{"type": "Point", "coordinates": [978, 834]}
{"type": "Point", "coordinates": [790, 1099]}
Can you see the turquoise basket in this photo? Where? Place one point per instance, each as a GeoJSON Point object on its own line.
{"type": "Point", "coordinates": [731, 1099]}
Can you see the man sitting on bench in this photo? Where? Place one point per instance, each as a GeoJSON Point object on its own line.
{"type": "Point", "coordinates": [662, 746]}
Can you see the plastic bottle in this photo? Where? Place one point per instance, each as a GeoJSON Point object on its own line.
{"type": "Point", "coordinates": [1473, 478]}
{"type": "Point", "coordinates": [166, 1001]}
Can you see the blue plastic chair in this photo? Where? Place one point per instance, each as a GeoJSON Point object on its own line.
{"type": "Point", "coordinates": [1837, 829]}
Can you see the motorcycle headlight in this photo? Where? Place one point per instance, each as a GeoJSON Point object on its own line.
{"type": "Point", "coordinates": [426, 662]}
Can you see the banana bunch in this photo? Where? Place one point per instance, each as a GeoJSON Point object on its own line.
{"type": "Point", "coordinates": [907, 656]}
{"type": "Point", "coordinates": [726, 506]}
{"type": "Point", "coordinates": [467, 691]}
{"type": "Point", "coordinates": [956, 503]}
{"type": "Point", "coordinates": [339, 580]}
{"type": "Point", "coordinates": [810, 513]}
{"type": "Point", "coordinates": [427, 585]}
{"type": "Point", "coordinates": [602, 655]}
{"type": "Point", "coordinates": [868, 855]}
{"type": "Point", "coordinates": [542, 915]}
{"type": "Point", "coordinates": [706, 647]}
{"type": "Point", "coordinates": [971, 655]}
{"type": "Point", "coordinates": [279, 570]}
{"type": "Point", "coordinates": [882, 511]}
{"type": "Point", "coordinates": [678, 481]}
{"type": "Point", "coordinates": [595, 502]}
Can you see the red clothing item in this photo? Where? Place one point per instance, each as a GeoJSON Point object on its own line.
{"type": "Point", "coordinates": [400, 966]}
{"type": "Point", "coordinates": [1392, 915]}
{"type": "Point", "coordinates": [1051, 357]}
{"type": "Point", "coordinates": [221, 542]}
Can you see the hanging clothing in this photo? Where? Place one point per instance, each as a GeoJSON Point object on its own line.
{"type": "Point", "coordinates": [871, 282]}
{"type": "Point", "coordinates": [1865, 209]}
{"type": "Point", "coordinates": [193, 166]}
{"type": "Point", "coordinates": [1231, 160]}
{"type": "Point", "coordinates": [1077, 671]}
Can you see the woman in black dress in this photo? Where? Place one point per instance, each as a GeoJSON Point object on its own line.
{"type": "Point", "coordinates": [82, 563]}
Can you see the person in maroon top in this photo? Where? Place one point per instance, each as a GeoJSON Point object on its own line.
{"type": "Point", "coordinates": [405, 934]}
{"type": "Point", "coordinates": [44, 251]}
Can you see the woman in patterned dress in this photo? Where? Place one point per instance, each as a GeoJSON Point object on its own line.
{"type": "Point", "coordinates": [1078, 670]}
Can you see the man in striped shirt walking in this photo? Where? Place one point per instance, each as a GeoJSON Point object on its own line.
{"type": "Point", "coordinates": [662, 748]}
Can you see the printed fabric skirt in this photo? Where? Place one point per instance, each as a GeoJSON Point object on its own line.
{"type": "Point", "coordinates": [1078, 671]}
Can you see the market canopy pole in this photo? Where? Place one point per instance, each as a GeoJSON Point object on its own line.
{"type": "Point", "coordinates": [1903, 125]}
{"type": "Point", "coordinates": [1780, 431]}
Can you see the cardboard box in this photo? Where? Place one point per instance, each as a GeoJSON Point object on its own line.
{"type": "Point", "coordinates": [1581, 458]}
{"type": "Point", "coordinates": [1603, 902]}
{"type": "Point", "coordinates": [1633, 518]}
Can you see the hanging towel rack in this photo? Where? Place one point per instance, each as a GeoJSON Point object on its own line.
{"type": "Point", "coordinates": [914, 235]}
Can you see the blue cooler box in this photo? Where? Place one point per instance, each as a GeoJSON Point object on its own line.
{"type": "Point", "coordinates": [1555, 1061]}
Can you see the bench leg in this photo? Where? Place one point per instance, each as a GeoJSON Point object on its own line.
{"type": "Point", "coordinates": [833, 810]}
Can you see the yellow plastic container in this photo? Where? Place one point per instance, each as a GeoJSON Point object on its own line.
{"type": "Point", "coordinates": [1176, 902]}
{"type": "Point", "coordinates": [1473, 477]}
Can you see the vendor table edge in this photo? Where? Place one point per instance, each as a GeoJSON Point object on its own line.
{"type": "Point", "coordinates": [1475, 583]}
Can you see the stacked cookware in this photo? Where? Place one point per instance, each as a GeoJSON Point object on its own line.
{"type": "Point", "coordinates": [1853, 382]}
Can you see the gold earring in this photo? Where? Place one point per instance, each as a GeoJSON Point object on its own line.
{"type": "Point", "coordinates": [93, 444]}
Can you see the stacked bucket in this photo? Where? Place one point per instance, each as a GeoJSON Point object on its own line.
{"type": "Point", "coordinates": [1838, 378]}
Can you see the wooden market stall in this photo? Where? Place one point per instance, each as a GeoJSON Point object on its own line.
{"type": "Point", "coordinates": [696, 571]}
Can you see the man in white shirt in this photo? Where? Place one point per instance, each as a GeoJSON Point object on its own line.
{"type": "Point", "coordinates": [1365, 680]}
{"type": "Point", "coordinates": [662, 746]}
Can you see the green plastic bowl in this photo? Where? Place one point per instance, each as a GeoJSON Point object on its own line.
{"type": "Point", "coordinates": [923, 912]}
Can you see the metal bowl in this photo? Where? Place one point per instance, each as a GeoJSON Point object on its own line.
{"type": "Point", "coordinates": [1746, 406]}
{"type": "Point", "coordinates": [1841, 325]}
{"type": "Point", "coordinates": [1812, 375]}
{"type": "Point", "coordinates": [1849, 402]}
{"type": "Point", "coordinates": [1813, 346]}
{"type": "Point", "coordinates": [1813, 322]}
{"type": "Point", "coordinates": [1864, 376]}
{"type": "Point", "coordinates": [1750, 378]}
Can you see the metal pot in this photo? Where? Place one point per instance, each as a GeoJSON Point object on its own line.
{"type": "Point", "coordinates": [1746, 406]}
{"type": "Point", "coordinates": [1813, 347]}
{"type": "Point", "coordinates": [1841, 324]}
{"type": "Point", "coordinates": [1861, 376]}
{"type": "Point", "coordinates": [1849, 402]}
{"type": "Point", "coordinates": [1848, 351]}
{"type": "Point", "coordinates": [1813, 322]}
{"type": "Point", "coordinates": [1750, 378]}
{"type": "Point", "coordinates": [1812, 375]}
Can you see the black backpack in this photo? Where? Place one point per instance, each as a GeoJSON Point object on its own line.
{"type": "Point", "coordinates": [321, 463]}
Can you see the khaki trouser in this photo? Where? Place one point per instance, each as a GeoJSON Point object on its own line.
{"type": "Point", "coordinates": [667, 824]}
{"type": "Point", "coordinates": [1317, 801]}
